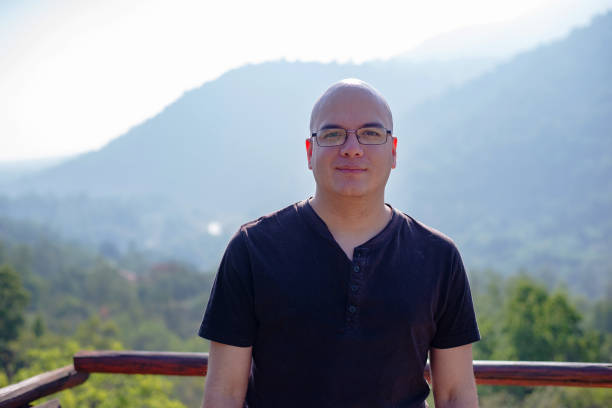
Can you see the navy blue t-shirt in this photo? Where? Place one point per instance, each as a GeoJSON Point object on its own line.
{"type": "Point", "coordinates": [328, 331]}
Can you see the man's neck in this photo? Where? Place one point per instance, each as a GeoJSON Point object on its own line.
{"type": "Point", "coordinates": [352, 220]}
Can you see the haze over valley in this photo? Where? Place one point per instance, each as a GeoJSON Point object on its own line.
{"type": "Point", "coordinates": [511, 157]}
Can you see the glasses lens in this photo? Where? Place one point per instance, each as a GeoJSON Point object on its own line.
{"type": "Point", "coordinates": [372, 135]}
{"type": "Point", "coordinates": [331, 137]}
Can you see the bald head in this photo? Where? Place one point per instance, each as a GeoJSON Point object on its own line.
{"type": "Point", "coordinates": [348, 93]}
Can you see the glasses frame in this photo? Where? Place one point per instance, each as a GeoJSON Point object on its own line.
{"type": "Point", "coordinates": [389, 133]}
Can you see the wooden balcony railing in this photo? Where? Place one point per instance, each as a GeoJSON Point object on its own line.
{"type": "Point", "coordinates": [524, 373]}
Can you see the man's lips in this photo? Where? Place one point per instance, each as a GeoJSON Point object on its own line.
{"type": "Point", "coordinates": [351, 169]}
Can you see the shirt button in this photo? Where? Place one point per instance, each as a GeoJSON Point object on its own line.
{"type": "Point", "coordinates": [356, 268]}
{"type": "Point", "coordinates": [354, 288]}
{"type": "Point", "coordinates": [352, 309]}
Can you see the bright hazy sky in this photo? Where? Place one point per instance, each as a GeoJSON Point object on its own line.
{"type": "Point", "coordinates": [76, 74]}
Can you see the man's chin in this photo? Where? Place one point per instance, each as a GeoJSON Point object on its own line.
{"type": "Point", "coordinates": [352, 192]}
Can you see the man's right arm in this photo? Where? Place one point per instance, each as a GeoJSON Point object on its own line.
{"type": "Point", "coordinates": [228, 376]}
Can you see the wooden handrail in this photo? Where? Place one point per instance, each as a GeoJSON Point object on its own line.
{"type": "Point", "coordinates": [142, 362]}
{"type": "Point", "coordinates": [21, 393]}
{"type": "Point", "coordinates": [525, 373]}
{"type": "Point", "coordinates": [541, 373]}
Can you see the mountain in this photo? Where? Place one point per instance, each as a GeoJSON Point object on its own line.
{"type": "Point", "coordinates": [517, 164]}
{"type": "Point", "coordinates": [12, 170]}
{"type": "Point", "coordinates": [180, 183]}
{"type": "Point", "coordinates": [226, 141]}
{"type": "Point", "coordinates": [512, 160]}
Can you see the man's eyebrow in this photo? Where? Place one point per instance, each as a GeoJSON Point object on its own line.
{"type": "Point", "coordinates": [330, 126]}
{"type": "Point", "coordinates": [373, 124]}
{"type": "Point", "coordinates": [334, 126]}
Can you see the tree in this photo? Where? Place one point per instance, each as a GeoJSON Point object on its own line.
{"type": "Point", "coordinates": [542, 326]}
{"type": "Point", "coordinates": [522, 320]}
{"type": "Point", "coordinates": [42, 354]}
{"type": "Point", "coordinates": [13, 300]}
{"type": "Point", "coordinates": [38, 328]}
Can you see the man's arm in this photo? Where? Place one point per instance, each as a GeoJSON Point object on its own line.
{"type": "Point", "coordinates": [227, 377]}
{"type": "Point", "coordinates": [452, 377]}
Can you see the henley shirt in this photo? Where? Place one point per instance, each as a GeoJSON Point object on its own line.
{"type": "Point", "coordinates": [328, 331]}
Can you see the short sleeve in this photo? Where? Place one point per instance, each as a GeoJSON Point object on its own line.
{"type": "Point", "coordinates": [229, 316]}
{"type": "Point", "coordinates": [456, 321]}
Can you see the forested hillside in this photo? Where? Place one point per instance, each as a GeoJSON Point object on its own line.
{"type": "Point", "coordinates": [58, 298]}
{"type": "Point", "coordinates": [517, 164]}
{"type": "Point", "coordinates": [511, 160]}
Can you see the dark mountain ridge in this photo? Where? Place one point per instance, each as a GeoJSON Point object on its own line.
{"type": "Point", "coordinates": [515, 164]}
{"type": "Point", "coordinates": [523, 154]}
{"type": "Point", "coordinates": [228, 139]}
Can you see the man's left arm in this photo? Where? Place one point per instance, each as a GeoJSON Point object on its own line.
{"type": "Point", "coordinates": [452, 377]}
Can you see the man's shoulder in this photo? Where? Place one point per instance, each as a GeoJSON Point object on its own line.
{"type": "Point", "coordinates": [283, 220]}
{"type": "Point", "coordinates": [267, 232]}
{"type": "Point", "coordinates": [424, 234]}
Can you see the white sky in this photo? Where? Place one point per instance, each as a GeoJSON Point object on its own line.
{"type": "Point", "coordinates": [75, 74]}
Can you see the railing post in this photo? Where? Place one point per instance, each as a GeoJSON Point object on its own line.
{"type": "Point", "coordinates": [31, 389]}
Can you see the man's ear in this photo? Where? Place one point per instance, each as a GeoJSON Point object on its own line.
{"type": "Point", "coordinates": [309, 152]}
{"type": "Point", "coordinates": [394, 152]}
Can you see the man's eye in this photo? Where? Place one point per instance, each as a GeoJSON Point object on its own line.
{"type": "Point", "coordinates": [372, 133]}
{"type": "Point", "coordinates": [332, 135]}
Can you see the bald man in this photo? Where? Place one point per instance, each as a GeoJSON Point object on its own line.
{"type": "Point", "coordinates": [337, 300]}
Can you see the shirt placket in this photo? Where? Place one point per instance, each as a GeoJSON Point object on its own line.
{"type": "Point", "coordinates": [356, 288]}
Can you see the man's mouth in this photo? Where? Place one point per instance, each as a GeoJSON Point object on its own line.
{"type": "Point", "coordinates": [351, 169]}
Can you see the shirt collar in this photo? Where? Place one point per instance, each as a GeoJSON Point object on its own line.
{"type": "Point", "coordinates": [312, 219]}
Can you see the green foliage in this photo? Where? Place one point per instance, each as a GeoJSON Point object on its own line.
{"type": "Point", "coordinates": [602, 311]}
{"type": "Point", "coordinates": [487, 292]}
{"type": "Point", "coordinates": [86, 302]}
{"type": "Point", "coordinates": [100, 390]}
{"type": "Point", "coordinates": [520, 319]}
{"type": "Point", "coordinates": [524, 319]}
{"type": "Point", "coordinates": [13, 300]}
{"type": "Point", "coordinates": [542, 326]}
{"type": "Point", "coordinates": [92, 303]}
{"type": "Point", "coordinates": [38, 328]}
{"type": "Point", "coordinates": [564, 397]}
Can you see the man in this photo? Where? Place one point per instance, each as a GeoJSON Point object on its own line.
{"type": "Point", "coordinates": [336, 301]}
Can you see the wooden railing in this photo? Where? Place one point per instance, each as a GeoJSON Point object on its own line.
{"type": "Point", "coordinates": [522, 373]}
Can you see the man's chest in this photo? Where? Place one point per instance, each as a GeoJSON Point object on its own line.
{"type": "Point", "coordinates": [327, 295]}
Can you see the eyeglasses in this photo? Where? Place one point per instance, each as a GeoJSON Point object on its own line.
{"type": "Point", "coordinates": [338, 136]}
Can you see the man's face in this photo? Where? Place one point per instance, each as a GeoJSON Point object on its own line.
{"type": "Point", "coordinates": [351, 169]}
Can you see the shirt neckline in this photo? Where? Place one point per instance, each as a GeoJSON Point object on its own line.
{"type": "Point", "coordinates": [315, 222]}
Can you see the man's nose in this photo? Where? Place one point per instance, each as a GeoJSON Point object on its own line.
{"type": "Point", "coordinates": [352, 147]}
